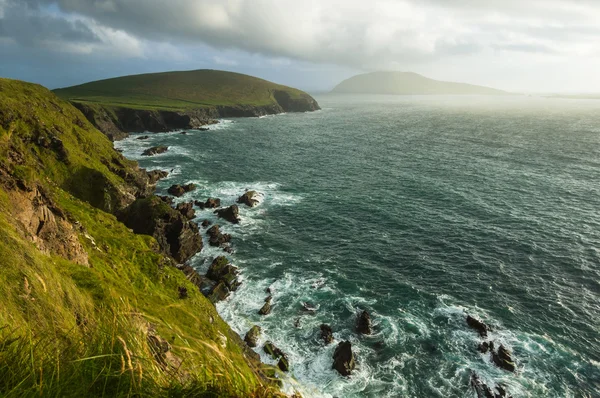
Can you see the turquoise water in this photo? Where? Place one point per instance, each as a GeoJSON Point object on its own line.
{"type": "Point", "coordinates": [420, 210]}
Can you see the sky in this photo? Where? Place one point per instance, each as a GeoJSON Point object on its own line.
{"type": "Point", "coordinates": [536, 46]}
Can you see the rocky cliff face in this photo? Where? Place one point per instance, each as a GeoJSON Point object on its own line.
{"type": "Point", "coordinates": [117, 122]}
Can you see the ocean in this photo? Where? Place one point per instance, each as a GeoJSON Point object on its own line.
{"type": "Point", "coordinates": [420, 210]}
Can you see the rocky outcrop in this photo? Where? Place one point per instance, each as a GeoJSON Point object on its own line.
{"type": "Point", "coordinates": [225, 277]}
{"type": "Point", "coordinates": [186, 210]}
{"type": "Point", "coordinates": [176, 236]}
{"type": "Point", "coordinates": [155, 150]}
{"type": "Point", "coordinates": [252, 336]}
{"type": "Point", "coordinates": [503, 359]}
{"type": "Point", "coordinates": [363, 323]}
{"type": "Point", "coordinates": [266, 308]}
{"type": "Point", "coordinates": [231, 214]}
{"type": "Point", "coordinates": [204, 284]}
{"type": "Point", "coordinates": [343, 358]}
{"type": "Point", "coordinates": [326, 334]}
{"type": "Point", "coordinates": [180, 190]}
{"type": "Point", "coordinates": [210, 203]}
{"type": "Point", "coordinates": [155, 175]}
{"type": "Point", "coordinates": [483, 391]}
{"type": "Point", "coordinates": [478, 325]}
{"type": "Point", "coordinates": [216, 238]}
{"type": "Point", "coordinates": [249, 198]}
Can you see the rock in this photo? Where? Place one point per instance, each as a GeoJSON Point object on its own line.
{"type": "Point", "coordinates": [283, 364]}
{"type": "Point", "coordinates": [268, 299]}
{"type": "Point", "coordinates": [167, 199]}
{"type": "Point", "coordinates": [143, 137]}
{"type": "Point", "coordinates": [266, 308]}
{"type": "Point", "coordinates": [483, 391]}
{"type": "Point", "coordinates": [479, 326]}
{"type": "Point", "coordinates": [155, 150]}
{"type": "Point", "coordinates": [176, 236]}
{"type": "Point", "coordinates": [249, 198]}
{"type": "Point", "coordinates": [180, 190]}
{"type": "Point", "coordinates": [183, 292]}
{"type": "Point", "coordinates": [503, 359]}
{"type": "Point", "coordinates": [272, 350]}
{"type": "Point", "coordinates": [343, 358]}
{"type": "Point", "coordinates": [363, 324]}
{"type": "Point", "coordinates": [486, 346]}
{"type": "Point", "coordinates": [205, 223]}
{"type": "Point", "coordinates": [155, 175]}
{"type": "Point", "coordinates": [203, 128]}
{"type": "Point", "coordinates": [310, 307]}
{"type": "Point", "coordinates": [221, 270]}
{"type": "Point", "coordinates": [216, 238]}
{"type": "Point", "coordinates": [252, 336]}
{"type": "Point", "coordinates": [230, 214]}
{"type": "Point", "coordinates": [218, 293]}
{"type": "Point", "coordinates": [212, 203]}
{"type": "Point", "coordinates": [183, 132]}
{"type": "Point", "coordinates": [326, 334]}
{"type": "Point", "coordinates": [186, 210]}
{"type": "Point", "coordinates": [204, 284]}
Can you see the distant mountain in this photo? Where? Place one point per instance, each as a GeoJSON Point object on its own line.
{"type": "Point", "coordinates": [407, 83]}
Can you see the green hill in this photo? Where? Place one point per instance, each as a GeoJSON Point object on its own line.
{"type": "Point", "coordinates": [407, 83]}
{"type": "Point", "coordinates": [90, 309]}
{"type": "Point", "coordinates": [183, 90]}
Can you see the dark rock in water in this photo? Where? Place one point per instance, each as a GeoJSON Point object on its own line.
{"type": "Point", "coordinates": [155, 150]}
{"type": "Point", "coordinates": [216, 238]}
{"type": "Point", "coordinates": [210, 203]}
{"type": "Point", "coordinates": [143, 137]}
{"type": "Point", "coordinates": [228, 249]}
{"type": "Point", "coordinates": [218, 293]}
{"type": "Point", "coordinates": [206, 223]}
{"type": "Point", "coordinates": [343, 358]}
{"type": "Point", "coordinates": [249, 198]}
{"type": "Point", "coordinates": [363, 323]}
{"type": "Point", "coordinates": [186, 209]}
{"type": "Point", "coordinates": [204, 284]}
{"type": "Point", "coordinates": [326, 334]}
{"type": "Point", "coordinates": [479, 326]}
{"type": "Point", "coordinates": [221, 270]}
{"type": "Point", "coordinates": [486, 346]}
{"type": "Point", "coordinates": [156, 175]}
{"type": "Point", "coordinates": [503, 359]}
{"type": "Point", "coordinates": [310, 307]}
{"type": "Point", "coordinates": [176, 236]}
{"type": "Point", "coordinates": [183, 132]}
{"type": "Point", "coordinates": [483, 391]}
{"type": "Point", "coordinates": [266, 308]}
{"type": "Point", "coordinates": [297, 322]}
{"type": "Point", "coordinates": [283, 364]}
{"type": "Point", "coordinates": [180, 190]}
{"type": "Point", "coordinates": [252, 336]}
{"type": "Point", "coordinates": [183, 292]}
{"type": "Point", "coordinates": [268, 299]}
{"type": "Point", "coordinates": [230, 214]}
{"type": "Point", "coordinates": [272, 350]}
{"type": "Point", "coordinates": [203, 128]}
{"type": "Point", "coordinates": [269, 290]}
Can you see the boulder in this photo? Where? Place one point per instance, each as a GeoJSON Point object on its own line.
{"type": "Point", "coordinates": [503, 359]}
{"type": "Point", "coordinates": [179, 190]}
{"type": "Point", "coordinates": [283, 364]}
{"type": "Point", "coordinates": [143, 137]}
{"type": "Point", "coordinates": [186, 209]}
{"type": "Point", "coordinates": [483, 391]}
{"type": "Point", "coordinates": [216, 238]}
{"type": "Point", "coordinates": [486, 346]}
{"type": "Point", "coordinates": [210, 203]}
{"type": "Point", "coordinates": [249, 198]}
{"type": "Point", "coordinates": [478, 325]}
{"type": "Point", "coordinates": [252, 336]}
{"type": "Point", "coordinates": [343, 358]}
{"type": "Point", "coordinates": [218, 293]}
{"type": "Point", "coordinates": [221, 270]}
{"type": "Point", "coordinates": [205, 223]}
{"type": "Point", "coordinates": [326, 334]}
{"type": "Point", "coordinates": [272, 350]}
{"type": "Point", "coordinates": [230, 214]}
{"type": "Point", "coordinates": [266, 308]}
{"type": "Point", "coordinates": [155, 150]}
{"type": "Point", "coordinates": [363, 323]}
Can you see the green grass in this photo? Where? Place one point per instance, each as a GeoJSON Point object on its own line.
{"type": "Point", "coordinates": [178, 90]}
{"type": "Point", "coordinates": [67, 330]}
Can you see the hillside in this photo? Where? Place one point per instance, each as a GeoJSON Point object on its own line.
{"type": "Point", "coordinates": [173, 100]}
{"type": "Point", "coordinates": [88, 307]}
{"type": "Point", "coordinates": [407, 83]}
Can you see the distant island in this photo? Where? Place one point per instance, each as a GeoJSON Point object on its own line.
{"type": "Point", "coordinates": [174, 100]}
{"type": "Point", "coordinates": [408, 83]}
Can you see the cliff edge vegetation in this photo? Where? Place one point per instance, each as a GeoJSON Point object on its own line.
{"type": "Point", "coordinates": [88, 307]}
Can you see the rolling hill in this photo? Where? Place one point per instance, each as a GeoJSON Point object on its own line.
{"type": "Point", "coordinates": [407, 83]}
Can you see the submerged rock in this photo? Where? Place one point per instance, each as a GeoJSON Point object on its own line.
{"type": "Point", "coordinates": [155, 150]}
{"type": "Point", "coordinates": [249, 198]}
{"type": "Point", "coordinates": [230, 214]}
{"type": "Point", "coordinates": [343, 358]}
{"type": "Point", "coordinates": [478, 325]}
{"type": "Point", "coordinates": [310, 307]}
{"type": "Point", "coordinates": [503, 359]}
{"type": "Point", "coordinates": [252, 336]}
{"type": "Point", "coordinates": [326, 334]}
{"type": "Point", "coordinates": [363, 323]}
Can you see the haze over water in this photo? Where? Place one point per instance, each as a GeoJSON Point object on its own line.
{"type": "Point", "coordinates": [420, 210]}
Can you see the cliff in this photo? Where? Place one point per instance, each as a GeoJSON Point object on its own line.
{"type": "Point", "coordinates": [89, 308]}
{"type": "Point", "coordinates": [180, 100]}
{"type": "Point", "coordinates": [408, 83]}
